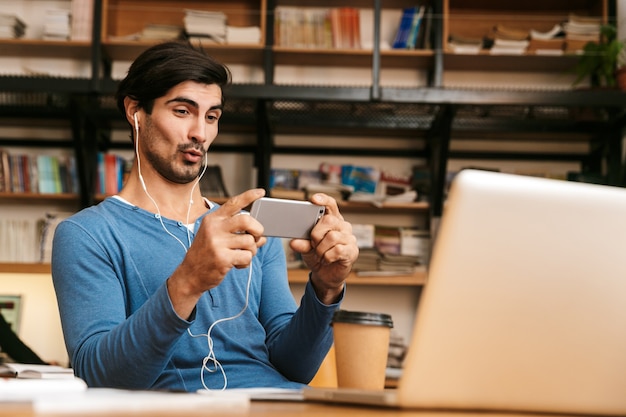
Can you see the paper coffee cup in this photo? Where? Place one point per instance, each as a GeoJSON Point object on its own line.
{"type": "Point", "coordinates": [361, 348]}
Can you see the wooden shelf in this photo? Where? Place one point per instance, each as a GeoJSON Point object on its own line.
{"type": "Point", "coordinates": [24, 268]}
{"type": "Point", "coordinates": [477, 19]}
{"type": "Point", "coordinates": [414, 59]}
{"type": "Point", "coordinates": [230, 54]}
{"type": "Point", "coordinates": [527, 62]}
{"type": "Point", "coordinates": [296, 276]}
{"type": "Point", "coordinates": [38, 198]}
{"type": "Point", "coordinates": [361, 207]}
{"type": "Point", "coordinates": [125, 18]}
{"type": "Point", "coordinates": [46, 49]}
{"type": "Point", "coordinates": [301, 276]}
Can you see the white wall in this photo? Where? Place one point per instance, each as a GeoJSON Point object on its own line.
{"type": "Point", "coordinates": [40, 326]}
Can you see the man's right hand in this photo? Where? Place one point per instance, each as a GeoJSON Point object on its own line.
{"type": "Point", "coordinates": [227, 238]}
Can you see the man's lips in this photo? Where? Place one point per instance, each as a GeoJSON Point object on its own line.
{"type": "Point", "coordinates": [192, 155]}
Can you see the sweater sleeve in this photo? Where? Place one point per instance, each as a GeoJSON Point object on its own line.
{"type": "Point", "coordinates": [107, 348]}
{"type": "Point", "coordinates": [297, 342]}
{"type": "Point", "coordinates": [303, 345]}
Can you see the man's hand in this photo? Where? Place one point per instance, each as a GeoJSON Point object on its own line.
{"type": "Point", "coordinates": [330, 253]}
{"type": "Point", "coordinates": [226, 239]}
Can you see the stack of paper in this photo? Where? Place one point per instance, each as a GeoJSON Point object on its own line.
{"type": "Point", "coordinates": [509, 41]}
{"type": "Point", "coordinates": [205, 25]}
{"type": "Point", "coordinates": [579, 30]}
{"type": "Point", "coordinates": [57, 25]}
{"type": "Point", "coordinates": [161, 32]}
{"type": "Point", "coordinates": [11, 26]}
{"type": "Point", "coordinates": [243, 35]}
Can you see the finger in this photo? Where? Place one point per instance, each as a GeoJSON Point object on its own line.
{"type": "Point", "coordinates": [328, 202]}
{"type": "Point", "coordinates": [235, 204]}
{"type": "Point", "coordinates": [242, 222]}
{"type": "Point", "coordinates": [242, 259]}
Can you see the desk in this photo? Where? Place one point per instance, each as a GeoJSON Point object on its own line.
{"type": "Point", "coordinates": [285, 409]}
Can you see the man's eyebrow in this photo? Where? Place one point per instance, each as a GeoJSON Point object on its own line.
{"type": "Point", "coordinates": [192, 103]}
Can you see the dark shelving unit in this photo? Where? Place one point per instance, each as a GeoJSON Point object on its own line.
{"type": "Point", "coordinates": [431, 115]}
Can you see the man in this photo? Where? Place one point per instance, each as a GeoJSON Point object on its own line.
{"type": "Point", "coordinates": [158, 288]}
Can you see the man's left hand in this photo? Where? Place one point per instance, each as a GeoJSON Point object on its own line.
{"type": "Point", "coordinates": [330, 252]}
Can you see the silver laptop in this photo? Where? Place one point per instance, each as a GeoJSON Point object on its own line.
{"type": "Point", "coordinates": [525, 306]}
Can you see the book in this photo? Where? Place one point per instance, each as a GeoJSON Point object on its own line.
{"type": "Point", "coordinates": [413, 39]}
{"type": "Point", "coordinates": [31, 371]}
{"type": "Point", "coordinates": [81, 20]}
{"type": "Point", "coordinates": [5, 171]}
{"type": "Point", "coordinates": [404, 27]}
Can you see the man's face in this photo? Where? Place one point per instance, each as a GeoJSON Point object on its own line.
{"type": "Point", "coordinates": [180, 129]}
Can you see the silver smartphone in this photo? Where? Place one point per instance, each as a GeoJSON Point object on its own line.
{"type": "Point", "coordinates": [286, 218]}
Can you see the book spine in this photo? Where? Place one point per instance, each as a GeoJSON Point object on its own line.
{"type": "Point", "coordinates": [404, 27]}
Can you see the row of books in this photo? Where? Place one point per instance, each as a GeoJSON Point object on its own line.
{"type": "Point", "coordinates": [414, 29]}
{"type": "Point", "coordinates": [11, 26]}
{"type": "Point", "coordinates": [343, 182]}
{"type": "Point", "coordinates": [112, 170]}
{"type": "Point", "coordinates": [389, 250]}
{"type": "Point", "coordinates": [332, 28]}
{"type": "Point", "coordinates": [569, 36]}
{"type": "Point", "coordinates": [23, 173]}
{"type": "Point", "coordinates": [19, 239]}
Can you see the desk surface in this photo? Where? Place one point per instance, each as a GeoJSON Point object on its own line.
{"type": "Point", "coordinates": [283, 408]}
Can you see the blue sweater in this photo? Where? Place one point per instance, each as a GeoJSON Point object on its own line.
{"type": "Point", "coordinates": [110, 264]}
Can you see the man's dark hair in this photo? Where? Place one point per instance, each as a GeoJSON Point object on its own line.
{"type": "Point", "coordinates": [164, 66]}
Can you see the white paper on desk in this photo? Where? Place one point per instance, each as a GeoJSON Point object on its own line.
{"type": "Point", "coordinates": [261, 393]}
{"type": "Point", "coordinates": [17, 389]}
{"type": "Point", "coordinates": [23, 370]}
{"type": "Point", "coordinates": [116, 400]}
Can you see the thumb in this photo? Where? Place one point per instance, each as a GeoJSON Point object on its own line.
{"type": "Point", "coordinates": [237, 203]}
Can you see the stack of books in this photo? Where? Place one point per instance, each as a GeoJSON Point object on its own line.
{"type": "Point", "coordinates": [243, 35]}
{"type": "Point", "coordinates": [579, 30]}
{"type": "Point", "coordinates": [161, 32]}
{"type": "Point", "coordinates": [551, 42]}
{"type": "Point", "coordinates": [11, 26]}
{"type": "Point", "coordinates": [57, 26]}
{"type": "Point", "coordinates": [464, 45]}
{"type": "Point", "coordinates": [389, 250]}
{"type": "Point", "coordinates": [509, 40]}
{"type": "Point", "coordinates": [205, 26]}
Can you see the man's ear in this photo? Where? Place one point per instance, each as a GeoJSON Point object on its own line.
{"type": "Point", "coordinates": [132, 107]}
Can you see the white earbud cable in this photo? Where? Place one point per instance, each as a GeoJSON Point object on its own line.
{"type": "Point", "coordinates": [211, 355]}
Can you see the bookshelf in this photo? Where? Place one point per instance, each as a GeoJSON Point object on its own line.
{"type": "Point", "coordinates": [116, 19]}
{"type": "Point", "coordinates": [123, 18]}
{"type": "Point", "coordinates": [477, 20]}
{"type": "Point", "coordinates": [426, 109]}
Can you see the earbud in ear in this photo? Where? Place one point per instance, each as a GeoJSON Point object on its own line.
{"type": "Point", "coordinates": [136, 123]}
